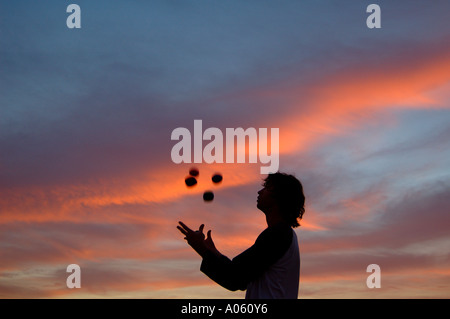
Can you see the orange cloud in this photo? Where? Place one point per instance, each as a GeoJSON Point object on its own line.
{"type": "Point", "coordinates": [331, 109]}
{"type": "Point", "coordinates": [338, 104]}
{"type": "Point", "coordinates": [345, 100]}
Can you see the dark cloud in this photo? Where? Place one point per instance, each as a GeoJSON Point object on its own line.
{"type": "Point", "coordinates": [417, 217]}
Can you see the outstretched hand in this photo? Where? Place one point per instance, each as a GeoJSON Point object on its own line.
{"type": "Point", "coordinates": [196, 239]}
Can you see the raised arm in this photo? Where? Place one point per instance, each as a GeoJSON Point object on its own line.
{"type": "Point", "coordinates": [236, 274]}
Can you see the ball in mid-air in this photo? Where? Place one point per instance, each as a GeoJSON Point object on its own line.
{"type": "Point", "coordinates": [208, 196]}
{"type": "Point", "coordinates": [217, 178]}
{"type": "Point", "coordinates": [193, 171]}
{"type": "Point", "coordinates": [190, 181]}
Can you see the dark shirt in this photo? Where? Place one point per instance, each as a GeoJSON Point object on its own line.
{"type": "Point", "coordinates": [248, 266]}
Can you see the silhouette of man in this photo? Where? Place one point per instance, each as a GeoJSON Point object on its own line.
{"type": "Point", "coordinates": [270, 268]}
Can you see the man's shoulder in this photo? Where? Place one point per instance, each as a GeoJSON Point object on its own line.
{"type": "Point", "coordinates": [280, 233]}
{"type": "Point", "coordinates": [278, 229]}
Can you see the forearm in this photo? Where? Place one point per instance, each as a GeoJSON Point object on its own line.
{"type": "Point", "coordinates": [220, 269]}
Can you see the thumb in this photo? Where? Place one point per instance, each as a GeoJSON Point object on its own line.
{"type": "Point", "coordinates": [208, 235]}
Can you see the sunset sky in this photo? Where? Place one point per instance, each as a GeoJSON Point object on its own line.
{"type": "Point", "coordinates": [86, 116]}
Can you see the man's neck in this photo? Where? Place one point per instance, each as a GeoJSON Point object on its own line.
{"type": "Point", "coordinates": [274, 218]}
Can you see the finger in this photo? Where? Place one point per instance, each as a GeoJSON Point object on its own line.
{"type": "Point", "coordinates": [185, 227]}
{"type": "Point", "coordinates": [200, 229]}
{"type": "Point", "coordinates": [208, 236]}
{"type": "Point", "coordinates": [182, 230]}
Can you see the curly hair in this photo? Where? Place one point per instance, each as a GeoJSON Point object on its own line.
{"type": "Point", "coordinates": [288, 192]}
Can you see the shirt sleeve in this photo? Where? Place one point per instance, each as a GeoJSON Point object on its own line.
{"type": "Point", "coordinates": [237, 273]}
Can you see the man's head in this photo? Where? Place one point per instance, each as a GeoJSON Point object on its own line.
{"type": "Point", "coordinates": [283, 193]}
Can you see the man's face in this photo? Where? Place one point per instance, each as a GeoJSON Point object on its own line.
{"type": "Point", "coordinates": [265, 198]}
